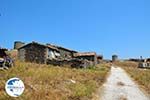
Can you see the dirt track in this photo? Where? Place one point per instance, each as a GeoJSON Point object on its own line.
{"type": "Point", "coordinates": [119, 86]}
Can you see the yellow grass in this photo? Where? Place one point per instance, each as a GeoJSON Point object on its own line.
{"type": "Point", "coordinates": [46, 82]}
{"type": "Point", "coordinates": [142, 76]}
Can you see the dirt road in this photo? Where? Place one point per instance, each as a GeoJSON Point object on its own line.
{"type": "Point", "coordinates": [119, 86]}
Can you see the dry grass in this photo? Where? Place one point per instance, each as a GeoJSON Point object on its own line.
{"type": "Point", "coordinates": [142, 76]}
{"type": "Point", "coordinates": [46, 82]}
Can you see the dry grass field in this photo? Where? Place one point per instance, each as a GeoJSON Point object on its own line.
{"type": "Point", "coordinates": [141, 76]}
{"type": "Point", "coordinates": [46, 82]}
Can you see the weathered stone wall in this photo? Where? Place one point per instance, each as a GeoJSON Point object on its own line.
{"type": "Point", "coordinates": [74, 63]}
{"type": "Point", "coordinates": [65, 54]}
{"type": "Point", "coordinates": [89, 58]}
{"type": "Point", "coordinates": [21, 54]}
{"type": "Point", "coordinates": [35, 53]}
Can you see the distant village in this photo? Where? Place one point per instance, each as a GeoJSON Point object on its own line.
{"type": "Point", "coordinates": [55, 55]}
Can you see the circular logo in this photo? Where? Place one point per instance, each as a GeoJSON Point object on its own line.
{"type": "Point", "coordinates": [14, 87]}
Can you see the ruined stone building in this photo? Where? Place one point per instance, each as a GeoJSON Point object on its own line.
{"type": "Point", "coordinates": [39, 53]}
{"type": "Point", "coordinates": [99, 58]}
{"type": "Point", "coordinates": [65, 53]}
{"type": "Point", "coordinates": [3, 52]}
{"type": "Point", "coordinates": [18, 44]}
{"type": "Point", "coordinates": [55, 55]}
{"type": "Point", "coordinates": [90, 56]}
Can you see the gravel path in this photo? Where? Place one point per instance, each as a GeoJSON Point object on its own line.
{"type": "Point", "coordinates": [119, 86]}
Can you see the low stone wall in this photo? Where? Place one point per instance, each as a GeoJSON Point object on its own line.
{"type": "Point", "coordinates": [74, 63]}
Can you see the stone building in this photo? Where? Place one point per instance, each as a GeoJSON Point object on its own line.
{"type": "Point", "coordinates": [36, 52]}
{"type": "Point", "coordinates": [90, 56]}
{"type": "Point", "coordinates": [114, 58]}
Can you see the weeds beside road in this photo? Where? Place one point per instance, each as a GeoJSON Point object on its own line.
{"type": "Point", "coordinates": [142, 76]}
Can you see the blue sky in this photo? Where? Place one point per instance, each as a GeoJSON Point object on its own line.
{"type": "Point", "coordinates": [106, 26]}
